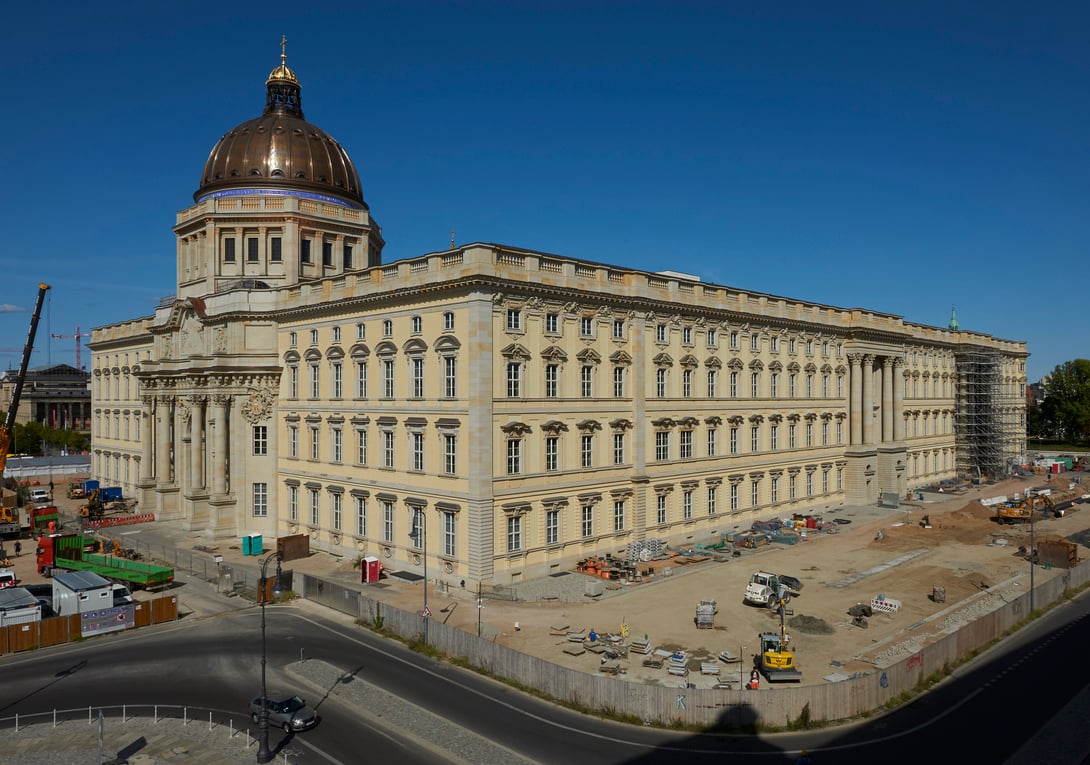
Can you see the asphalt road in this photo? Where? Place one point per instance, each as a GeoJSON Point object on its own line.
{"type": "Point", "coordinates": [988, 711]}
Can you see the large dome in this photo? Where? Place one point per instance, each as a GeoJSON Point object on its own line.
{"type": "Point", "coordinates": [281, 150]}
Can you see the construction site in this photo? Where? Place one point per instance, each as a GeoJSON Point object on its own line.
{"type": "Point", "coordinates": [989, 420]}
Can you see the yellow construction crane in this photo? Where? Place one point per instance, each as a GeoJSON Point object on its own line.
{"type": "Point", "coordinates": [9, 422]}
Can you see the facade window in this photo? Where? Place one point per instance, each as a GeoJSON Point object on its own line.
{"type": "Point", "coordinates": [261, 500]}
{"type": "Point", "coordinates": [685, 444]}
{"type": "Point", "coordinates": [754, 438]}
{"type": "Point", "coordinates": [315, 507]}
{"type": "Point", "coordinates": [713, 379]}
{"type": "Point", "coordinates": [514, 533]}
{"type": "Point", "coordinates": [327, 253]}
{"type": "Point", "coordinates": [660, 333]}
{"type": "Point", "coordinates": [733, 384]}
{"type": "Point", "coordinates": [809, 484]}
{"type": "Point", "coordinates": [687, 504]}
{"type": "Point", "coordinates": [450, 454]}
{"type": "Point", "coordinates": [791, 380]}
{"type": "Point", "coordinates": [336, 334]}
{"type": "Point", "coordinates": [712, 338]}
{"type": "Point", "coordinates": [552, 453]}
{"type": "Point", "coordinates": [809, 347]}
{"type": "Point", "coordinates": [792, 487]}
{"type": "Point", "coordinates": [809, 434]}
{"type": "Point", "coordinates": [514, 456]}
{"type": "Point", "coordinates": [734, 440]}
{"type": "Point", "coordinates": [417, 367]}
{"type": "Point", "coordinates": [774, 344]}
{"type": "Point", "coordinates": [361, 331]}
{"type": "Point", "coordinates": [387, 378]}
{"type": "Point", "coordinates": [587, 525]}
{"type": "Point", "coordinates": [586, 381]}
{"type": "Point", "coordinates": [687, 335]}
{"type": "Point", "coordinates": [387, 521]}
{"type": "Point", "coordinates": [662, 445]}
{"type": "Point", "coordinates": [387, 328]}
{"type": "Point", "coordinates": [825, 481]}
{"type": "Point", "coordinates": [417, 442]}
{"type": "Point", "coordinates": [713, 441]}
{"type": "Point", "coordinates": [337, 506]}
{"type": "Point", "coordinates": [448, 321]}
{"type": "Point", "coordinates": [824, 434]}
{"type": "Point", "coordinates": [346, 255]}
{"type": "Point", "coordinates": [755, 342]}
{"type": "Point", "coordinates": [276, 251]}
{"type": "Point", "coordinates": [514, 379]}
{"type": "Point", "coordinates": [338, 380]}
{"type": "Point", "coordinates": [791, 432]}
{"type": "Point", "coordinates": [229, 250]}
{"type": "Point", "coordinates": [618, 382]}
{"type": "Point", "coordinates": [552, 527]}
{"type": "Point", "coordinates": [754, 493]}
{"type": "Point", "coordinates": [825, 385]}
{"type": "Point", "coordinates": [791, 345]}
{"type": "Point", "coordinates": [734, 497]}
{"type": "Point", "coordinates": [450, 376]}
{"type": "Point", "coordinates": [314, 452]}
{"type": "Point", "coordinates": [418, 325]}
{"type": "Point", "coordinates": [687, 383]}
{"type": "Point", "coordinates": [361, 516]}
{"type": "Point", "coordinates": [734, 340]}
{"type": "Point", "coordinates": [293, 503]}
{"type": "Point", "coordinates": [660, 383]}
{"type": "Point", "coordinates": [618, 515]}
{"type": "Point", "coordinates": [660, 509]}
{"type": "Point", "coordinates": [361, 447]}
{"type": "Point", "coordinates": [293, 441]}
{"type": "Point", "coordinates": [618, 329]}
{"type": "Point", "coordinates": [586, 326]}
{"type": "Point", "coordinates": [314, 337]}
{"type": "Point", "coordinates": [809, 386]}
{"type": "Point", "coordinates": [618, 448]}
{"type": "Point", "coordinates": [711, 500]}
{"type": "Point", "coordinates": [552, 378]}
{"type": "Point", "coordinates": [514, 319]}
{"type": "Point", "coordinates": [361, 379]}
{"type": "Point", "coordinates": [774, 437]}
{"type": "Point", "coordinates": [552, 324]}
{"type": "Point", "coordinates": [292, 339]}
{"type": "Point", "coordinates": [315, 379]}
{"type": "Point", "coordinates": [388, 448]}
{"type": "Point", "coordinates": [754, 384]}
{"type": "Point", "coordinates": [840, 432]}
{"type": "Point", "coordinates": [261, 440]}
{"type": "Point", "coordinates": [840, 470]}
{"type": "Point", "coordinates": [251, 249]}
{"type": "Point", "coordinates": [337, 444]}
{"type": "Point", "coordinates": [774, 385]}
{"type": "Point", "coordinates": [450, 539]}
{"type": "Point", "coordinates": [304, 251]}
{"type": "Point", "coordinates": [586, 450]}
{"type": "Point", "coordinates": [774, 486]}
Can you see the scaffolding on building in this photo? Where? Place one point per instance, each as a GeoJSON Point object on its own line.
{"type": "Point", "coordinates": [988, 420]}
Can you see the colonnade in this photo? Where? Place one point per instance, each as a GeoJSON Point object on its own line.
{"type": "Point", "coordinates": [864, 429]}
{"type": "Point", "coordinates": [170, 422]}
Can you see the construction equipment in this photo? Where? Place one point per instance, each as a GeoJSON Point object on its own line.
{"type": "Point", "coordinates": [75, 552]}
{"type": "Point", "coordinates": [1021, 510]}
{"type": "Point", "coordinates": [75, 490]}
{"type": "Point", "coordinates": [765, 589]}
{"type": "Point", "coordinates": [9, 516]}
{"type": "Point", "coordinates": [776, 661]}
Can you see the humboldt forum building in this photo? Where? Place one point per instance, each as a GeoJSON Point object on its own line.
{"type": "Point", "coordinates": [521, 410]}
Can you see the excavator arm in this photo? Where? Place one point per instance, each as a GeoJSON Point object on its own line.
{"type": "Point", "coordinates": [8, 427]}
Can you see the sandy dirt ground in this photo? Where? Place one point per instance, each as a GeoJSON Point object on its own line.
{"type": "Point", "coordinates": [881, 551]}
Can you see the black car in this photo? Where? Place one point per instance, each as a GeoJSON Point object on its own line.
{"type": "Point", "coordinates": [288, 712]}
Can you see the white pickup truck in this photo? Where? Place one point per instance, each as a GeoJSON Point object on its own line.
{"type": "Point", "coordinates": [765, 589]}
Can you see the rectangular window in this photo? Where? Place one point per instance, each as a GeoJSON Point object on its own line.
{"type": "Point", "coordinates": [388, 448]}
{"type": "Point", "coordinates": [734, 498]}
{"type": "Point", "coordinates": [754, 384]}
{"type": "Point", "coordinates": [712, 338]}
{"type": "Point", "coordinates": [552, 527]}
{"type": "Point", "coordinates": [618, 382]}
{"type": "Point", "coordinates": [586, 326]}
{"type": "Point", "coordinates": [315, 380]}
{"type": "Point", "coordinates": [387, 521]}
{"type": "Point", "coordinates": [337, 444]}
{"type": "Point", "coordinates": [586, 450]}
{"type": "Point", "coordinates": [261, 500]}
{"type": "Point", "coordinates": [662, 445]}
{"type": "Point", "coordinates": [361, 516]}
{"type": "Point", "coordinates": [774, 344]}
{"type": "Point", "coordinates": [809, 434]}
{"type": "Point", "coordinates": [618, 515]}
{"type": "Point", "coordinates": [450, 454]}
{"type": "Point", "coordinates": [840, 432]}
{"type": "Point", "coordinates": [346, 254]}
{"type": "Point", "coordinates": [773, 385]}
{"type": "Point", "coordinates": [775, 487]}
{"type": "Point", "coordinates": [293, 441]}
{"type": "Point", "coordinates": [293, 503]}
{"type": "Point", "coordinates": [754, 493]}
{"type": "Point", "coordinates": [448, 321]}
{"type": "Point", "coordinates": [261, 439]}
{"type": "Point", "coordinates": [660, 509]}
{"type": "Point", "coordinates": [514, 380]}
{"type": "Point", "coordinates": [315, 507]}
{"type": "Point", "coordinates": [251, 249]}
{"type": "Point", "coordinates": [387, 378]}
{"type": "Point", "coordinates": [338, 380]}
{"type": "Point", "coordinates": [552, 323]}
{"type": "Point", "coordinates": [711, 500]}
{"type": "Point", "coordinates": [733, 339]}
{"type": "Point", "coordinates": [660, 333]}
{"type": "Point", "coordinates": [754, 438]}
{"type": "Point", "coordinates": [514, 319]}
{"type": "Point", "coordinates": [792, 486]}
{"type": "Point", "coordinates": [552, 377]}
{"type": "Point", "coordinates": [276, 254]}
{"type": "Point", "coordinates": [791, 385]}
{"type": "Point", "coordinates": [450, 376]}
{"type": "Point", "coordinates": [733, 384]}
{"type": "Point", "coordinates": [618, 448]}
{"type": "Point", "coordinates": [361, 379]}
{"type": "Point", "coordinates": [514, 456]}
{"type": "Point", "coordinates": [587, 524]}
{"type": "Point", "coordinates": [336, 334]}
{"type": "Point", "coordinates": [809, 386]}
{"type": "Point", "coordinates": [825, 386]}
{"type": "Point", "coordinates": [514, 533]}
{"type": "Point", "coordinates": [327, 253]}
{"type": "Point", "coordinates": [586, 381]}
{"type": "Point", "coordinates": [687, 504]}
{"type": "Point", "coordinates": [685, 444]}
{"type": "Point", "coordinates": [713, 441]}
{"type": "Point", "coordinates": [618, 329]}
{"type": "Point", "coordinates": [314, 452]}
{"type": "Point", "coordinates": [304, 251]}
{"type": "Point", "coordinates": [687, 383]}
{"type": "Point", "coordinates": [774, 437]}
{"type": "Point", "coordinates": [755, 342]}
{"type": "Point", "coordinates": [687, 335]}
{"type": "Point", "coordinates": [229, 250]}
{"type": "Point", "coordinates": [660, 383]}
{"type": "Point", "coordinates": [418, 325]}
{"type": "Point", "coordinates": [418, 377]}
{"type": "Point", "coordinates": [417, 440]}
{"type": "Point", "coordinates": [337, 506]}
{"type": "Point", "coordinates": [734, 440]}
{"type": "Point", "coordinates": [824, 434]}
{"type": "Point", "coordinates": [450, 540]}
{"type": "Point", "coordinates": [713, 379]}
{"type": "Point", "coordinates": [809, 484]}
{"type": "Point", "coordinates": [552, 448]}
{"type": "Point", "coordinates": [361, 447]}
{"type": "Point", "coordinates": [791, 432]}
{"type": "Point", "coordinates": [387, 328]}
{"type": "Point", "coordinates": [825, 481]}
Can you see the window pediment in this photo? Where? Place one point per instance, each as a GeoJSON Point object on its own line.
{"type": "Point", "coordinates": [515, 352]}
{"type": "Point", "coordinates": [554, 353]}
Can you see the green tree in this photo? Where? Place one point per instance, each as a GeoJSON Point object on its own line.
{"type": "Point", "coordinates": [1067, 400]}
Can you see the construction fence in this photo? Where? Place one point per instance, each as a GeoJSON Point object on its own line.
{"type": "Point", "coordinates": [666, 705]}
{"type": "Point", "coordinates": [64, 629]}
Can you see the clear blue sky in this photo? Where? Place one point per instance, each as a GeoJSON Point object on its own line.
{"type": "Point", "coordinates": [903, 157]}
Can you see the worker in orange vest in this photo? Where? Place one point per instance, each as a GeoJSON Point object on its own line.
{"type": "Point", "coordinates": [754, 680]}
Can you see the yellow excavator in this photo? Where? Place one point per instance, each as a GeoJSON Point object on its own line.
{"type": "Point", "coordinates": [776, 661]}
{"type": "Point", "coordinates": [1021, 510]}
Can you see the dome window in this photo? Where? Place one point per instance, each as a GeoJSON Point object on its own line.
{"type": "Point", "coordinates": [255, 172]}
{"type": "Point", "coordinates": [278, 173]}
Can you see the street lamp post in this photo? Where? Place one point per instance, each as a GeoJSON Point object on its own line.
{"type": "Point", "coordinates": [419, 535]}
{"type": "Point", "coordinates": [1032, 553]}
{"type": "Point", "coordinates": [741, 666]}
{"type": "Point", "coordinates": [264, 754]}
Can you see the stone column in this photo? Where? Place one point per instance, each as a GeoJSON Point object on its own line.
{"type": "Point", "coordinates": [868, 399]}
{"type": "Point", "coordinates": [146, 436]}
{"type": "Point", "coordinates": [219, 462]}
{"type": "Point", "coordinates": [887, 399]}
{"type": "Point", "coordinates": [163, 417]}
{"type": "Point", "coordinates": [898, 401]}
{"type": "Point", "coordinates": [855, 404]}
{"type": "Point", "coordinates": [196, 442]}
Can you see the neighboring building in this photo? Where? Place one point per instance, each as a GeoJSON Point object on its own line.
{"type": "Point", "coordinates": [535, 409]}
{"type": "Point", "coordinates": [57, 396]}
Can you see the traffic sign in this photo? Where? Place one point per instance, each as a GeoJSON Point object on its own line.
{"type": "Point", "coordinates": [426, 613]}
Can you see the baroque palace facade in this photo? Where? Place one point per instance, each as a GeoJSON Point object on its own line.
{"type": "Point", "coordinates": [522, 410]}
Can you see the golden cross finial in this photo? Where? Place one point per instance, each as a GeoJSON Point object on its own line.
{"type": "Point", "coordinates": [283, 48]}
{"type": "Point", "coordinates": [452, 239]}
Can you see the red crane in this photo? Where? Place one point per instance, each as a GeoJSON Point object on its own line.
{"type": "Point", "coordinates": [78, 335]}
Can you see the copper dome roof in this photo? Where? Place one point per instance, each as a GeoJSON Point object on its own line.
{"type": "Point", "coordinates": [281, 150]}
